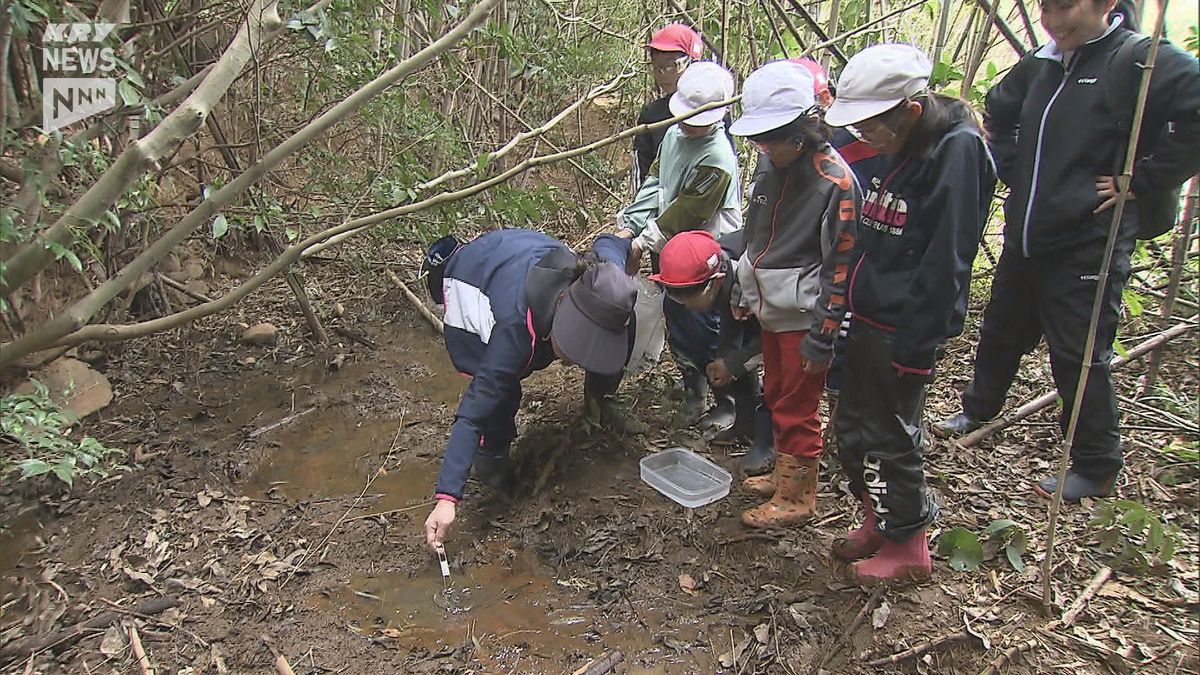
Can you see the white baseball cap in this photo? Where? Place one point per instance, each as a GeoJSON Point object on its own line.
{"type": "Point", "coordinates": [772, 96]}
{"type": "Point", "coordinates": [876, 80]}
{"type": "Point", "coordinates": [702, 83]}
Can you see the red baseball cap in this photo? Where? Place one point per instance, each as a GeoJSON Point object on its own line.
{"type": "Point", "coordinates": [688, 259]}
{"type": "Point", "coordinates": [676, 37]}
{"type": "Point", "coordinates": [820, 80]}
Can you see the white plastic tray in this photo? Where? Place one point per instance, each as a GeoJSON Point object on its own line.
{"type": "Point", "coordinates": [685, 477]}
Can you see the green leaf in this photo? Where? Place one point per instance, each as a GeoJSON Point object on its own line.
{"type": "Point", "coordinates": [1133, 300]}
{"type": "Point", "coordinates": [65, 469]}
{"type": "Point", "coordinates": [1120, 348]}
{"type": "Point", "coordinates": [1014, 557]}
{"type": "Point", "coordinates": [129, 93]}
{"type": "Point", "coordinates": [999, 526]}
{"type": "Point", "coordinates": [962, 548]}
{"type": "Point", "coordinates": [33, 467]}
{"type": "Point", "coordinates": [220, 226]}
{"type": "Point", "coordinates": [291, 233]}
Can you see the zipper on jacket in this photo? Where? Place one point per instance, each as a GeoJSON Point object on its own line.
{"type": "Point", "coordinates": [770, 240]}
{"type": "Point", "coordinates": [1037, 159]}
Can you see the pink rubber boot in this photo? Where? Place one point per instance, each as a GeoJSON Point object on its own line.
{"type": "Point", "coordinates": [907, 560]}
{"type": "Point", "coordinates": [862, 542]}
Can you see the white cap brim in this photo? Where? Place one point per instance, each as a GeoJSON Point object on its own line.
{"type": "Point", "coordinates": [843, 112]}
{"type": "Point", "coordinates": [753, 125]}
{"type": "Point", "coordinates": [678, 107]}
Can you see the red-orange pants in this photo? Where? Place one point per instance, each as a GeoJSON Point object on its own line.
{"type": "Point", "coordinates": [793, 395]}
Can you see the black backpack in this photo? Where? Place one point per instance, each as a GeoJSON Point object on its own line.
{"type": "Point", "coordinates": [1158, 210]}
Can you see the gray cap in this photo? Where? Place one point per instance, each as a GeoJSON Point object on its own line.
{"type": "Point", "coordinates": [593, 321]}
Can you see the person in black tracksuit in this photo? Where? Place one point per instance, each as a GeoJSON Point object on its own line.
{"type": "Point", "coordinates": [1055, 143]}
{"type": "Point", "coordinates": [923, 214]}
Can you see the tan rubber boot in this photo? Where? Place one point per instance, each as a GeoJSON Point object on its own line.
{"type": "Point", "coordinates": [795, 498]}
{"type": "Point", "coordinates": [763, 486]}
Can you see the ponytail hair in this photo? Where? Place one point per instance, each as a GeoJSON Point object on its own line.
{"type": "Point", "coordinates": [939, 114]}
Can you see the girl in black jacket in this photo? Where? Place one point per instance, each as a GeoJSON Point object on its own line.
{"type": "Point", "coordinates": [1058, 143]}
{"type": "Point", "coordinates": [923, 214]}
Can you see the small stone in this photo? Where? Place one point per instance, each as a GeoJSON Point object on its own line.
{"type": "Point", "coordinates": [194, 269]}
{"type": "Point", "coordinates": [261, 334]}
{"type": "Point", "coordinates": [198, 287]}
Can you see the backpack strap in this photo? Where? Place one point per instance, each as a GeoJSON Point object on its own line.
{"type": "Point", "coordinates": [1123, 71]}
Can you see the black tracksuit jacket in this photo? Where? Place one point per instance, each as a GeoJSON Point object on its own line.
{"type": "Point", "coordinates": [1052, 132]}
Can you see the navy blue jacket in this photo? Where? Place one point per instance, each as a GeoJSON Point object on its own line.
{"type": "Point", "coordinates": [501, 291]}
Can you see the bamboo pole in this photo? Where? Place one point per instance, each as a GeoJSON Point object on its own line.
{"type": "Point", "coordinates": [831, 28]}
{"type": "Point", "coordinates": [815, 27]}
{"type": "Point", "coordinates": [1179, 255]}
{"type": "Point", "coordinates": [981, 47]}
{"type": "Point", "coordinates": [1003, 27]}
{"type": "Point", "coordinates": [939, 42]}
{"type": "Point", "coordinates": [1122, 184]}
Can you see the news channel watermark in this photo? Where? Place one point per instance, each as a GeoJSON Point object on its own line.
{"type": "Point", "coordinates": [82, 65]}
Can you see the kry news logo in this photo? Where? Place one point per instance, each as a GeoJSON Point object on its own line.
{"type": "Point", "coordinates": [76, 54]}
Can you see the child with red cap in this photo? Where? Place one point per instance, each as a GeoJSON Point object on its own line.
{"type": "Point", "coordinates": [698, 272]}
{"type": "Point", "coordinates": [671, 50]}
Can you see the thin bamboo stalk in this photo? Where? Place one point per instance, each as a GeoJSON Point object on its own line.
{"type": "Point", "coordinates": [1179, 255]}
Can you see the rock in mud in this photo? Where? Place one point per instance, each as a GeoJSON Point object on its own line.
{"type": "Point", "coordinates": [74, 385]}
{"type": "Point", "coordinates": [261, 334]}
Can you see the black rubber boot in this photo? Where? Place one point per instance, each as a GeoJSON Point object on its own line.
{"type": "Point", "coordinates": [602, 409]}
{"type": "Point", "coordinates": [493, 469]}
{"type": "Point", "coordinates": [760, 458]}
{"type": "Point", "coordinates": [1077, 487]}
{"type": "Point", "coordinates": [959, 425]}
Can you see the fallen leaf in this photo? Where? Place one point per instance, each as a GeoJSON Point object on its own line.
{"type": "Point", "coordinates": [203, 499]}
{"type": "Point", "coordinates": [1114, 589]}
{"type": "Point", "coordinates": [688, 584]}
{"type": "Point", "coordinates": [762, 633]}
{"type": "Point", "coordinates": [730, 658]}
{"type": "Point", "coordinates": [880, 616]}
{"type": "Point", "coordinates": [113, 643]}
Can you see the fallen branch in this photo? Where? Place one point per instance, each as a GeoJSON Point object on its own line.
{"type": "Point", "coordinates": [416, 302]}
{"type": "Point", "coordinates": [849, 632]}
{"type": "Point", "coordinates": [139, 652]}
{"type": "Point", "coordinates": [282, 667]}
{"type": "Point", "coordinates": [275, 425]}
{"type": "Point", "coordinates": [917, 650]}
{"type": "Point", "coordinates": [1008, 656]}
{"type": "Point", "coordinates": [77, 632]}
{"type": "Point", "coordinates": [603, 664]}
{"type": "Point", "coordinates": [182, 288]}
{"type": "Point", "coordinates": [1102, 575]}
{"type": "Point", "coordinates": [1027, 409]}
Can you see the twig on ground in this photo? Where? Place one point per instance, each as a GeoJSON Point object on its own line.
{"type": "Point", "coordinates": [1008, 656]}
{"type": "Point", "coordinates": [919, 649]}
{"type": "Point", "coordinates": [162, 278]}
{"type": "Point", "coordinates": [416, 302]}
{"type": "Point", "coordinates": [603, 664]}
{"type": "Point", "coordinates": [849, 632]}
{"type": "Point", "coordinates": [1102, 575]}
{"type": "Point", "coordinates": [139, 652]}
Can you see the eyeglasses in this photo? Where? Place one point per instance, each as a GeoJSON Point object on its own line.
{"type": "Point", "coordinates": [682, 294]}
{"type": "Point", "coordinates": [675, 66]}
{"type": "Point", "coordinates": [877, 125]}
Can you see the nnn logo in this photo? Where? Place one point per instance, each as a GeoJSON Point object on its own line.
{"type": "Point", "coordinates": [77, 57]}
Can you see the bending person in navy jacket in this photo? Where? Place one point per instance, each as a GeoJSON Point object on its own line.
{"type": "Point", "coordinates": [515, 301]}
